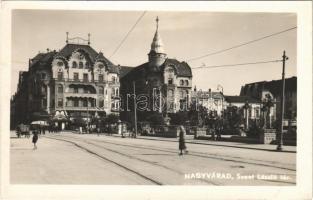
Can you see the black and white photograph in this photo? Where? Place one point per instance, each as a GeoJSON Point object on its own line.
{"type": "Point", "coordinates": [155, 98]}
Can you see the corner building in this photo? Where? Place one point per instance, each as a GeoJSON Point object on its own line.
{"type": "Point", "coordinates": [160, 76]}
{"type": "Point", "coordinates": [76, 81]}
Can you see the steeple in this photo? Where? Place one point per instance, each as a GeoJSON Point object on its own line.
{"type": "Point", "coordinates": [157, 54]}
{"type": "Point", "coordinates": [157, 45]}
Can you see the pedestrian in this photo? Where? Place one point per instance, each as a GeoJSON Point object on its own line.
{"type": "Point", "coordinates": [182, 144]}
{"type": "Point", "coordinates": [35, 138]}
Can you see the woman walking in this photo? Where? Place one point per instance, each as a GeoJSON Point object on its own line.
{"type": "Point", "coordinates": [182, 144]}
{"type": "Point", "coordinates": [35, 138]}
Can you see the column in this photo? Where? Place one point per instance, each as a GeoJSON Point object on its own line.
{"type": "Point", "coordinates": [48, 98]}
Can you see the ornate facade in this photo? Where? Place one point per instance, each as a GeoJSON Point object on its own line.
{"type": "Point", "coordinates": [76, 81]}
{"type": "Point", "coordinates": [162, 77]}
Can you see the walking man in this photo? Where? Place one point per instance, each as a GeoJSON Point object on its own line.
{"type": "Point", "coordinates": [182, 144]}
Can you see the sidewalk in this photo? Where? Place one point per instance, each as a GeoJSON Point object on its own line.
{"type": "Point", "coordinates": [262, 147]}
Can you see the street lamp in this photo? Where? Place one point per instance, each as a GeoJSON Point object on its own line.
{"type": "Point", "coordinates": [135, 108]}
{"type": "Point", "coordinates": [280, 141]}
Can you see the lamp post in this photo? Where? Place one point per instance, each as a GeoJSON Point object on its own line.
{"type": "Point", "coordinates": [135, 109]}
{"type": "Point", "coordinates": [280, 140]}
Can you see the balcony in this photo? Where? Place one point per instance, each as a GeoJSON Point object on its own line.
{"type": "Point", "coordinates": [82, 95]}
{"type": "Point", "coordinates": [81, 80]}
{"type": "Point", "coordinates": [78, 108]}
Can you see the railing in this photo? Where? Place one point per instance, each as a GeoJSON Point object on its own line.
{"type": "Point", "coordinates": [72, 94]}
{"type": "Point", "coordinates": [76, 108]}
{"type": "Point", "coordinates": [83, 80]}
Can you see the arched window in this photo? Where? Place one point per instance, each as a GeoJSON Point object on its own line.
{"type": "Point", "coordinates": [81, 65]}
{"type": "Point", "coordinates": [60, 89]}
{"type": "Point", "coordinates": [101, 103]}
{"type": "Point", "coordinates": [113, 79]}
{"type": "Point", "coordinates": [181, 82]}
{"type": "Point", "coordinates": [74, 65]}
{"type": "Point", "coordinates": [186, 82]}
{"type": "Point", "coordinates": [101, 90]}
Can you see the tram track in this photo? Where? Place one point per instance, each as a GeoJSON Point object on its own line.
{"type": "Point", "coordinates": [109, 160]}
{"type": "Point", "coordinates": [206, 155]}
{"type": "Point", "coordinates": [150, 162]}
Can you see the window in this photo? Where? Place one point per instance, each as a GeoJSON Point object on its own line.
{"type": "Point", "coordinates": [85, 77]}
{"type": "Point", "coordinates": [86, 91]}
{"type": "Point", "coordinates": [170, 93]}
{"type": "Point", "coordinates": [101, 90]}
{"type": "Point", "coordinates": [186, 82]}
{"type": "Point", "coordinates": [87, 65]}
{"type": "Point", "coordinates": [74, 65]}
{"type": "Point", "coordinates": [117, 92]}
{"type": "Point", "coordinates": [43, 76]}
{"type": "Point", "coordinates": [60, 63]}
{"type": "Point", "coordinates": [257, 113]}
{"type": "Point", "coordinates": [113, 79]}
{"type": "Point", "coordinates": [75, 90]}
{"type": "Point", "coordinates": [101, 103]}
{"type": "Point", "coordinates": [76, 76]}
{"type": "Point", "coordinates": [170, 81]}
{"type": "Point", "coordinates": [113, 105]}
{"type": "Point", "coordinates": [60, 102]}
{"type": "Point", "coordinates": [76, 102]}
{"type": "Point", "coordinates": [60, 75]}
{"type": "Point", "coordinates": [181, 82]}
{"type": "Point", "coordinates": [81, 65]}
{"type": "Point", "coordinates": [100, 78]}
{"type": "Point", "coordinates": [60, 89]}
{"type": "Point", "coordinates": [85, 103]}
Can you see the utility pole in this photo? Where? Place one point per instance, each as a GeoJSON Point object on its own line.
{"type": "Point", "coordinates": [135, 109]}
{"type": "Point", "coordinates": [282, 101]}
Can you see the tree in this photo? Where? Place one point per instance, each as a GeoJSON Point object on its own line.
{"type": "Point", "coordinates": [112, 119]}
{"type": "Point", "coordinates": [179, 118]}
{"type": "Point", "coordinates": [198, 114]}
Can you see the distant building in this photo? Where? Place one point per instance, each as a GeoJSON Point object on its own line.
{"type": "Point", "coordinates": [254, 110]}
{"type": "Point", "coordinates": [160, 76]}
{"type": "Point", "coordinates": [213, 100]}
{"type": "Point", "coordinates": [260, 90]}
{"type": "Point", "coordinates": [76, 81]}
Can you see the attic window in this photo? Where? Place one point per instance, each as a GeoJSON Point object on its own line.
{"type": "Point", "coordinates": [74, 65]}
{"type": "Point", "coordinates": [81, 65]}
{"type": "Point", "coordinates": [60, 63]}
{"type": "Point", "coordinates": [181, 82]}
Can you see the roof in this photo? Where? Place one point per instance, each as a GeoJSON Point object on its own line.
{"type": "Point", "coordinates": [273, 86]}
{"type": "Point", "coordinates": [68, 49]}
{"type": "Point", "coordinates": [182, 68]}
{"type": "Point", "coordinates": [125, 70]}
{"type": "Point", "coordinates": [241, 99]}
{"type": "Point", "coordinates": [45, 59]}
{"type": "Point", "coordinates": [42, 59]}
{"type": "Point", "coordinates": [207, 94]}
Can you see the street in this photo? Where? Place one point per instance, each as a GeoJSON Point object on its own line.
{"type": "Point", "coordinates": [70, 158]}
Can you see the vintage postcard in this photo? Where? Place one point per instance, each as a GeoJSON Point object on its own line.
{"type": "Point", "coordinates": [156, 100]}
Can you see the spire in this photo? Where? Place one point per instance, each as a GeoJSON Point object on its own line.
{"type": "Point", "coordinates": [157, 44]}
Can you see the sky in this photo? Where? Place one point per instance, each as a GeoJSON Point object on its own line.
{"type": "Point", "coordinates": [185, 35]}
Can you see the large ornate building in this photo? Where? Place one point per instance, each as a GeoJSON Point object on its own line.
{"type": "Point", "coordinates": [162, 77]}
{"type": "Point", "coordinates": [76, 81]}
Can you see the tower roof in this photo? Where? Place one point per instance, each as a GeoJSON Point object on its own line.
{"type": "Point", "coordinates": [157, 45]}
